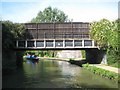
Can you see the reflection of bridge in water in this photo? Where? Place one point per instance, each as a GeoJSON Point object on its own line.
{"type": "Point", "coordinates": [56, 36]}
{"type": "Point", "coordinates": [60, 36]}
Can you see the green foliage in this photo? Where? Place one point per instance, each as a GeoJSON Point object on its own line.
{"type": "Point", "coordinates": [18, 31]}
{"type": "Point", "coordinates": [10, 32]}
{"type": "Point", "coordinates": [102, 72]}
{"type": "Point", "coordinates": [106, 34]}
{"type": "Point", "coordinates": [47, 53]}
{"type": "Point", "coordinates": [72, 61]}
{"type": "Point", "coordinates": [83, 54]}
{"type": "Point", "coordinates": [50, 14]}
{"type": "Point", "coordinates": [118, 51]}
{"type": "Point", "coordinates": [85, 65]}
{"type": "Point", "coordinates": [113, 58]}
{"type": "Point", "coordinates": [7, 36]}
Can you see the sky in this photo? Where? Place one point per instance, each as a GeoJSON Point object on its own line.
{"type": "Point", "coordinates": [22, 11]}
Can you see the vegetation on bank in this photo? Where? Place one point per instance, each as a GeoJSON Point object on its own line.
{"type": "Point", "coordinates": [10, 32]}
{"type": "Point", "coordinates": [106, 34]}
{"type": "Point", "coordinates": [45, 53]}
{"type": "Point", "coordinates": [102, 72]}
{"type": "Point", "coordinates": [83, 54]}
{"type": "Point", "coordinates": [77, 62]}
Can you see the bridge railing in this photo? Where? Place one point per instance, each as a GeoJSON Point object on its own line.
{"type": "Point", "coordinates": [52, 43]}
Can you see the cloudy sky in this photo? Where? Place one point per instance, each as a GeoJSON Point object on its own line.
{"type": "Point", "coordinates": [79, 10]}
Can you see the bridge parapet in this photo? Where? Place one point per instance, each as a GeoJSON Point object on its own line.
{"type": "Point", "coordinates": [66, 30]}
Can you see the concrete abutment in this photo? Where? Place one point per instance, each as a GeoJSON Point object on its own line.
{"type": "Point", "coordinates": [96, 56]}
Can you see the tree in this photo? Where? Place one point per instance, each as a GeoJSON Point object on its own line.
{"type": "Point", "coordinates": [10, 32]}
{"type": "Point", "coordinates": [106, 34]}
{"type": "Point", "coordinates": [49, 15]}
{"type": "Point", "coordinates": [7, 36]}
{"type": "Point", "coordinates": [18, 31]}
{"type": "Point", "coordinates": [118, 31]}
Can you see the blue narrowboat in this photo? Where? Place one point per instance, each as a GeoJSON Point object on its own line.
{"type": "Point", "coordinates": [32, 57]}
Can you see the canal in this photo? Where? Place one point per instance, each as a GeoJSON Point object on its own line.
{"type": "Point", "coordinates": [54, 74]}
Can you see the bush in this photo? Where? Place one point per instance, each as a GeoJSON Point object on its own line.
{"type": "Point", "coordinates": [48, 53]}
{"type": "Point", "coordinates": [83, 54]}
{"type": "Point", "coordinates": [102, 72]}
{"type": "Point", "coordinates": [71, 61]}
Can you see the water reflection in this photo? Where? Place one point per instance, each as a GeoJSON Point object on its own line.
{"type": "Point", "coordinates": [67, 71]}
{"type": "Point", "coordinates": [33, 63]}
{"type": "Point", "coordinates": [54, 74]}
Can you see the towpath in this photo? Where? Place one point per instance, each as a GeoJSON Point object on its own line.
{"type": "Point", "coordinates": [112, 69]}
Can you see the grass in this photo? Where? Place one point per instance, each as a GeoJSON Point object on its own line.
{"type": "Point", "coordinates": [117, 65]}
{"type": "Point", "coordinates": [102, 72]}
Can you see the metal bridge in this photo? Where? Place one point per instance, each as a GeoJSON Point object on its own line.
{"type": "Point", "coordinates": [61, 36]}
{"type": "Point", "coordinates": [69, 35]}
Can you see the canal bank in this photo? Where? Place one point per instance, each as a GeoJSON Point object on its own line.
{"type": "Point", "coordinates": [103, 66]}
{"type": "Point", "coordinates": [102, 72]}
{"type": "Point", "coordinates": [62, 59]}
{"type": "Point", "coordinates": [109, 68]}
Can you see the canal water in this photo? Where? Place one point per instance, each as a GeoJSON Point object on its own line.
{"type": "Point", "coordinates": [54, 74]}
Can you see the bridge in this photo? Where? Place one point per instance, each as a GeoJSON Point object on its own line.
{"type": "Point", "coordinates": [61, 36]}
{"type": "Point", "coordinates": [69, 35]}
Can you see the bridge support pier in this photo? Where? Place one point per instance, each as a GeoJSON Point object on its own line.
{"type": "Point", "coordinates": [96, 56]}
